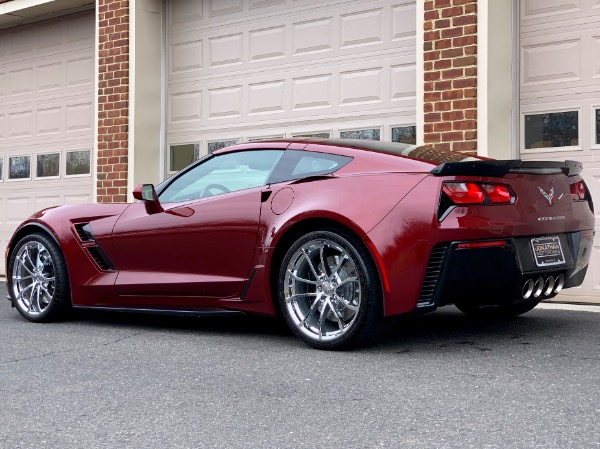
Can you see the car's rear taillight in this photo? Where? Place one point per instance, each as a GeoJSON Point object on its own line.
{"type": "Point", "coordinates": [478, 193]}
{"type": "Point", "coordinates": [459, 193]}
{"type": "Point", "coordinates": [578, 191]}
{"type": "Point", "coordinates": [463, 192]}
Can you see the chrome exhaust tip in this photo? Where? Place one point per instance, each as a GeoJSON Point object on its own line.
{"type": "Point", "coordinates": [549, 286]}
{"type": "Point", "coordinates": [538, 287]}
{"type": "Point", "coordinates": [559, 283]}
{"type": "Point", "coordinates": [527, 289]}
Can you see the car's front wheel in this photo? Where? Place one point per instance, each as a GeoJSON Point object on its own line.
{"type": "Point", "coordinates": [38, 279]}
{"type": "Point", "coordinates": [329, 290]}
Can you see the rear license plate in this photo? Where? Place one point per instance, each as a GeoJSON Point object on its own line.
{"type": "Point", "coordinates": [547, 251]}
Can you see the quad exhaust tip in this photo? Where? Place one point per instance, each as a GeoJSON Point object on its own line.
{"type": "Point", "coordinates": [543, 287]}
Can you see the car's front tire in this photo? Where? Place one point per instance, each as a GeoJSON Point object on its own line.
{"type": "Point", "coordinates": [329, 291]}
{"type": "Point", "coordinates": [38, 279]}
{"type": "Point", "coordinates": [501, 311]}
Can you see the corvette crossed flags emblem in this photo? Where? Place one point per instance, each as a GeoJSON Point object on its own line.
{"type": "Point", "coordinates": [549, 196]}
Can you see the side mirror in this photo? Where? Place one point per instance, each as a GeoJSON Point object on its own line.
{"type": "Point", "coordinates": [147, 194]}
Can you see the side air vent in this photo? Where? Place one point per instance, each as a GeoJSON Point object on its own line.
{"type": "Point", "coordinates": [84, 231]}
{"type": "Point", "coordinates": [100, 258]}
{"type": "Point", "coordinates": [432, 275]}
{"type": "Point", "coordinates": [444, 206]}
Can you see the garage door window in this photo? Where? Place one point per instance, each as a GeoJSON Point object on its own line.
{"type": "Point", "coordinates": [180, 156]}
{"type": "Point", "coordinates": [78, 163]}
{"type": "Point", "coordinates": [47, 165]}
{"type": "Point", "coordinates": [220, 144]}
{"type": "Point", "coordinates": [1, 169]}
{"type": "Point", "coordinates": [405, 134]}
{"type": "Point", "coordinates": [19, 167]}
{"type": "Point", "coordinates": [362, 134]}
{"type": "Point", "coordinates": [551, 130]}
{"type": "Point", "coordinates": [320, 135]}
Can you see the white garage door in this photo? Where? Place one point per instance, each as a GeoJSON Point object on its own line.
{"type": "Point", "coordinates": [242, 70]}
{"type": "Point", "coordinates": [560, 97]}
{"type": "Point", "coordinates": [46, 117]}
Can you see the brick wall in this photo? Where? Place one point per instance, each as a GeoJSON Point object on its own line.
{"type": "Point", "coordinates": [113, 100]}
{"type": "Point", "coordinates": [450, 79]}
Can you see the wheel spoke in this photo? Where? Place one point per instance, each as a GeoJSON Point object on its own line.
{"type": "Point", "coordinates": [338, 266]}
{"type": "Point", "coordinates": [21, 293]}
{"type": "Point", "coordinates": [31, 308]}
{"type": "Point", "coordinates": [313, 307]}
{"type": "Point", "coordinates": [321, 249]}
{"type": "Point", "coordinates": [302, 280]}
{"type": "Point", "coordinates": [322, 319]}
{"type": "Point", "coordinates": [337, 315]}
{"type": "Point", "coordinates": [39, 306]}
{"type": "Point", "coordinates": [38, 259]}
{"type": "Point", "coordinates": [349, 305]}
{"type": "Point", "coordinates": [21, 278]}
{"type": "Point", "coordinates": [28, 257]}
{"type": "Point", "coordinates": [299, 295]}
{"type": "Point", "coordinates": [310, 264]}
{"type": "Point", "coordinates": [22, 265]}
{"type": "Point", "coordinates": [346, 281]}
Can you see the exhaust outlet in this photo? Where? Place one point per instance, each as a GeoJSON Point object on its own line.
{"type": "Point", "coordinates": [549, 286]}
{"type": "Point", "coordinates": [559, 283]}
{"type": "Point", "coordinates": [538, 287]}
{"type": "Point", "coordinates": [527, 289]}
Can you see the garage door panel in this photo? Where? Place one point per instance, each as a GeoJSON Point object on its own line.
{"type": "Point", "coordinates": [47, 107]}
{"type": "Point", "coordinates": [308, 36]}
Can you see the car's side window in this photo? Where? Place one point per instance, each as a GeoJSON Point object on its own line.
{"type": "Point", "coordinates": [296, 164]}
{"type": "Point", "coordinates": [224, 173]}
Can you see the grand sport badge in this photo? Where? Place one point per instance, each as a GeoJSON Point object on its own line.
{"type": "Point", "coordinates": [547, 251]}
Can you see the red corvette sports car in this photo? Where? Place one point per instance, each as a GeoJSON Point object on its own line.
{"type": "Point", "coordinates": [335, 235]}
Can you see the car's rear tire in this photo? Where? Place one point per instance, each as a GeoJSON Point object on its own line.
{"type": "Point", "coordinates": [329, 291]}
{"type": "Point", "coordinates": [38, 279]}
{"type": "Point", "coordinates": [501, 311]}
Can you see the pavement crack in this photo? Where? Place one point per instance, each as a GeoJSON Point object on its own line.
{"type": "Point", "coordinates": [67, 351]}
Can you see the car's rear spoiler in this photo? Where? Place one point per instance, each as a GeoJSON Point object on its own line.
{"type": "Point", "coordinates": [496, 168]}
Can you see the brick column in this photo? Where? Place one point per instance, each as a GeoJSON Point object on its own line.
{"type": "Point", "coordinates": [450, 74]}
{"type": "Point", "coordinates": [113, 100]}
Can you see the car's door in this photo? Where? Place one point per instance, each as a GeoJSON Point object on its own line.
{"type": "Point", "coordinates": [203, 242]}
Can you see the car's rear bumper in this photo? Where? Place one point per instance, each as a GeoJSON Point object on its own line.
{"type": "Point", "coordinates": [497, 274]}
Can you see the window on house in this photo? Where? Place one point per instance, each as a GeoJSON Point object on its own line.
{"type": "Point", "coordinates": [362, 134]}
{"type": "Point", "coordinates": [405, 134]}
{"type": "Point", "coordinates": [19, 167]}
{"type": "Point", "coordinates": [78, 162]}
{"type": "Point", "coordinates": [551, 130]}
{"type": "Point", "coordinates": [47, 165]}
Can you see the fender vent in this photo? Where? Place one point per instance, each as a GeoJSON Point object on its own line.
{"type": "Point", "coordinates": [100, 258]}
{"type": "Point", "coordinates": [84, 231]}
{"type": "Point", "coordinates": [432, 275]}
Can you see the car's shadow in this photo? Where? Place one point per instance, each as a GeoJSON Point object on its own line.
{"type": "Point", "coordinates": [446, 328]}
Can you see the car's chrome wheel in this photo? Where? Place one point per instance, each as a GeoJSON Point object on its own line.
{"type": "Point", "coordinates": [329, 290]}
{"type": "Point", "coordinates": [36, 268]}
{"type": "Point", "coordinates": [322, 290]}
